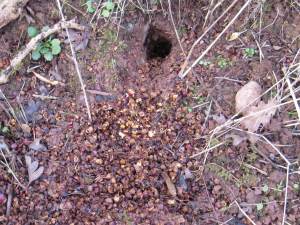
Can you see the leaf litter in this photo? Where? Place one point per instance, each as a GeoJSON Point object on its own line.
{"type": "Point", "coordinates": [34, 171]}
{"type": "Point", "coordinates": [256, 112]}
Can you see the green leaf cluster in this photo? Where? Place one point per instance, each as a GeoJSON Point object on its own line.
{"type": "Point", "coordinates": [249, 52]}
{"type": "Point", "coordinates": [90, 6]}
{"type": "Point", "coordinates": [48, 48]}
{"type": "Point", "coordinates": [107, 9]}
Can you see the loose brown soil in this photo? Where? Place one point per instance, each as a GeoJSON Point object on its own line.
{"type": "Point", "coordinates": [147, 123]}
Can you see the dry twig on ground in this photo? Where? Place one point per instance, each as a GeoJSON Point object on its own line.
{"type": "Point", "coordinates": [75, 61]}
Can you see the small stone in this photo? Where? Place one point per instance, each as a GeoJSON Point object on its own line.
{"type": "Point", "coordinates": [108, 200]}
{"type": "Point", "coordinates": [217, 188]}
{"type": "Point", "coordinates": [151, 133]}
{"type": "Point", "coordinates": [131, 92]}
{"type": "Point", "coordinates": [122, 162]}
{"type": "Point", "coordinates": [89, 130]}
{"type": "Point", "coordinates": [76, 159]}
{"type": "Point", "coordinates": [116, 198]}
{"type": "Point", "coordinates": [171, 201]}
{"type": "Point", "coordinates": [113, 180]}
{"type": "Point", "coordinates": [121, 134]}
{"type": "Point", "coordinates": [98, 161]}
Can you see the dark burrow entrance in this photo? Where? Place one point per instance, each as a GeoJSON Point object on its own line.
{"type": "Point", "coordinates": [156, 44]}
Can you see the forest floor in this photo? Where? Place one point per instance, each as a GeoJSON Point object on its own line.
{"type": "Point", "coordinates": [157, 150]}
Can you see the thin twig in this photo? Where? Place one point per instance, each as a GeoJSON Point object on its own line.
{"type": "Point", "coordinates": [76, 63]}
{"type": "Point", "coordinates": [9, 199]}
{"type": "Point", "coordinates": [44, 97]}
{"type": "Point", "coordinates": [44, 79]}
{"type": "Point", "coordinates": [174, 26]}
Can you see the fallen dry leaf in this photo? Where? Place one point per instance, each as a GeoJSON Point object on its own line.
{"type": "Point", "coordinates": [252, 123]}
{"type": "Point", "coordinates": [246, 95]}
{"type": "Point", "coordinates": [171, 187]}
{"type": "Point", "coordinates": [234, 36]}
{"type": "Point", "coordinates": [236, 139]}
{"type": "Point", "coordinates": [25, 128]}
{"type": "Point", "coordinates": [34, 171]}
{"type": "Point", "coordinates": [36, 145]}
{"type": "Point", "coordinates": [256, 112]}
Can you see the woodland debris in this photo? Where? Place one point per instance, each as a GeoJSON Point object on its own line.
{"type": "Point", "coordinates": [9, 199]}
{"type": "Point", "coordinates": [34, 171]}
{"type": "Point", "coordinates": [17, 60]}
{"type": "Point", "coordinates": [44, 79]}
{"type": "Point", "coordinates": [248, 95]}
{"type": "Point", "coordinates": [10, 10]}
{"type": "Point", "coordinates": [36, 145]}
{"type": "Point", "coordinates": [171, 187]}
{"type": "Point", "coordinates": [255, 111]}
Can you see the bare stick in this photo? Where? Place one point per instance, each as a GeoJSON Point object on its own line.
{"type": "Point", "coordinates": [9, 199]}
{"type": "Point", "coordinates": [174, 26]}
{"type": "Point", "coordinates": [44, 79]}
{"type": "Point", "coordinates": [182, 74]}
{"type": "Point", "coordinates": [44, 97]}
{"type": "Point", "coordinates": [76, 63]}
{"type": "Point", "coordinates": [96, 92]}
{"type": "Point", "coordinates": [17, 60]}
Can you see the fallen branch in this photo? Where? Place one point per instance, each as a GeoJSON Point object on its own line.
{"type": "Point", "coordinates": [10, 10]}
{"type": "Point", "coordinates": [5, 74]}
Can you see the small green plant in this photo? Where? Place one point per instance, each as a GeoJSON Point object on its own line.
{"type": "Point", "coordinates": [4, 129]}
{"type": "Point", "coordinates": [214, 142]}
{"type": "Point", "coordinates": [90, 6]}
{"type": "Point", "coordinates": [259, 207]}
{"type": "Point", "coordinates": [296, 187]}
{"type": "Point", "coordinates": [222, 62]}
{"type": "Point", "coordinates": [292, 113]}
{"type": "Point", "coordinates": [32, 31]}
{"type": "Point", "coordinates": [265, 188]}
{"type": "Point", "coordinates": [47, 48]}
{"type": "Point", "coordinates": [107, 8]}
{"type": "Point", "coordinates": [204, 63]}
{"type": "Point", "coordinates": [279, 187]}
{"type": "Point", "coordinates": [223, 173]}
{"type": "Point", "coordinates": [249, 52]}
{"type": "Point", "coordinates": [182, 30]}
{"type": "Point", "coordinates": [189, 109]}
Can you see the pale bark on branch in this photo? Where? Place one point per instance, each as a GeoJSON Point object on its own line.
{"type": "Point", "coordinates": [10, 10]}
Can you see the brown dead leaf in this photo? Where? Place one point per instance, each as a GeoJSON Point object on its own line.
{"type": "Point", "coordinates": [25, 128]}
{"type": "Point", "coordinates": [234, 36]}
{"type": "Point", "coordinates": [236, 139]}
{"type": "Point", "coordinates": [246, 95]}
{"type": "Point", "coordinates": [34, 171]}
{"type": "Point", "coordinates": [36, 145]}
{"type": "Point", "coordinates": [252, 123]}
{"type": "Point", "coordinates": [171, 187]}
